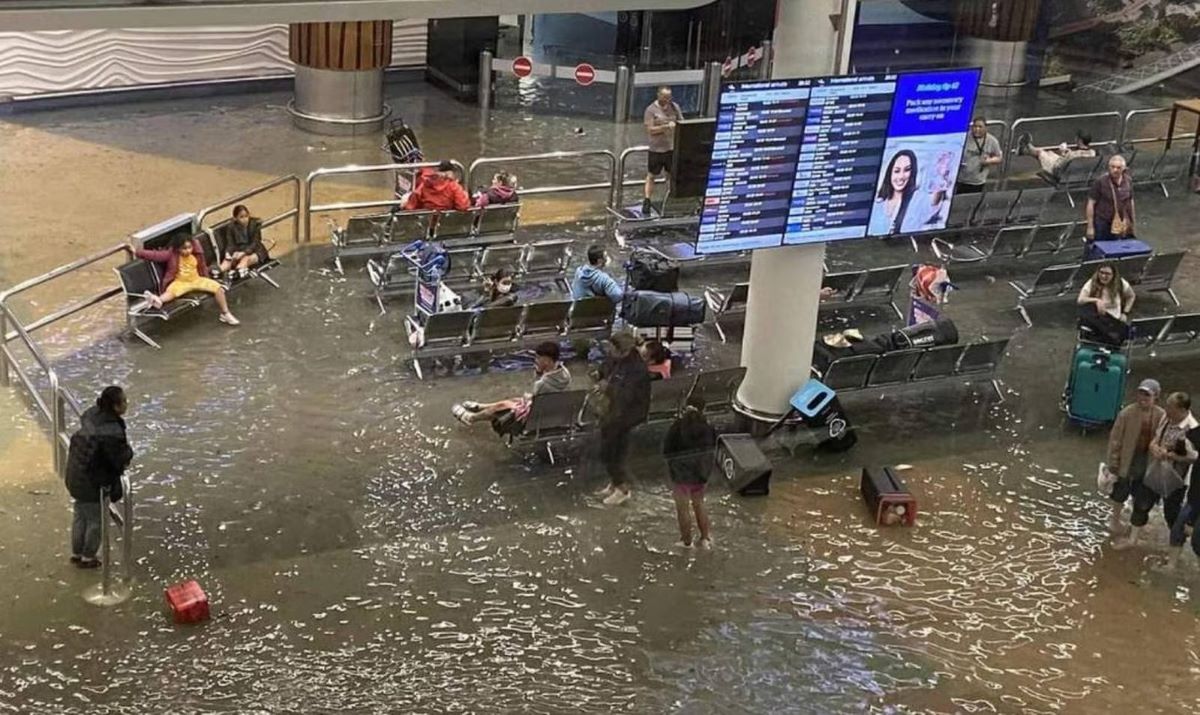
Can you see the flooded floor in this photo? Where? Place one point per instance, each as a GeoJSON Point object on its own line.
{"type": "Point", "coordinates": [365, 553]}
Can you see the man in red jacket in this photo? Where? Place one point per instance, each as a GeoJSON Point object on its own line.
{"type": "Point", "coordinates": [438, 191]}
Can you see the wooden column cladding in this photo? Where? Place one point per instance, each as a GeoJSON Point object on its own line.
{"type": "Point", "coordinates": [341, 45]}
{"type": "Point", "coordinates": [999, 20]}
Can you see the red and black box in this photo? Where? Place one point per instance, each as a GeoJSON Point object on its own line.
{"type": "Point", "coordinates": [188, 602]}
{"type": "Point", "coordinates": [886, 496]}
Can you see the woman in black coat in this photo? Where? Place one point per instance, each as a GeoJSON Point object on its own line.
{"type": "Point", "coordinates": [243, 244]}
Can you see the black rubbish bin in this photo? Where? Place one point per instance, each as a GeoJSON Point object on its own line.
{"type": "Point", "coordinates": [820, 410]}
{"type": "Point", "coordinates": [745, 466]}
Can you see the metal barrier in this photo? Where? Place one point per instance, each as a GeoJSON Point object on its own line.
{"type": "Point", "coordinates": [620, 181]}
{"type": "Point", "coordinates": [508, 161]}
{"type": "Point", "coordinates": [1130, 116]}
{"type": "Point", "coordinates": [1010, 146]}
{"type": "Point", "coordinates": [307, 209]}
{"type": "Point", "coordinates": [107, 593]}
{"type": "Point", "coordinates": [292, 213]}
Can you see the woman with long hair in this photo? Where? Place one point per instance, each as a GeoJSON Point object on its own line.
{"type": "Point", "coordinates": [893, 201]}
{"type": "Point", "coordinates": [1105, 302]}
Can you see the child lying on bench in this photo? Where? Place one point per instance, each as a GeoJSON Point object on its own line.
{"type": "Point", "coordinates": [185, 272]}
{"type": "Point", "coordinates": [508, 416]}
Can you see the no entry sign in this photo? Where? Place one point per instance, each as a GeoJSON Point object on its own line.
{"type": "Point", "coordinates": [522, 66]}
{"type": "Point", "coordinates": [585, 74]}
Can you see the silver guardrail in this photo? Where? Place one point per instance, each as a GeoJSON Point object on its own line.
{"type": "Point", "coordinates": [473, 173]}
{"type": "Point", "coordinates": [308, 208]}
{"type": "Point", "coordinates": [292, 213]}
{"type": "Point", "coordinates": [1010, 147]}
{"type": "Point", "coordinates": [109, 592]}
{"type": "Point", "coordinates": [621, 181]}
{"type": "Point", "coordinates": [1135, 115]}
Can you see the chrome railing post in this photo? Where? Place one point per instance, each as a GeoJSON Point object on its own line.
{"type": "Point", "coordinates": [296, 209]}
{"type": "Point", "coordinates": [306, 208]}
{"type": "Point", "coordinates": [107, 593]}
{"type": "Point", "coordinates": [4, 348]}
{"type": "Point", "coordinates": [127, 532]}
{"type": "Point", "coordinates": [485, 80]}
{"type": "Point", "coordinates": [711, 90]}
{"type": "Point", "coordinates": [57, 425]}
{"type": "Point", "coordinates": [622, 94]}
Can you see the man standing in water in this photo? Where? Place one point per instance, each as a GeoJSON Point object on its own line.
{"type": "Point", "coordinates": [1129, 451]}
{"type": "Point", "coordinates": [660, 118]}
{"type": "Point", "coordinates": [97, 457]}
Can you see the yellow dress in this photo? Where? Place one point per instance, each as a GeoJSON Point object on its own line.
{"type": "Point", "coordinates": [188, 279]}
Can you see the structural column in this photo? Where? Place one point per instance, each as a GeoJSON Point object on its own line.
{"type": "Point", "coordinates": [785, 283]}
{"type": "Point", "coordinates": [994, 35]}
{"type": "Point", "coordinates": [339, 75]}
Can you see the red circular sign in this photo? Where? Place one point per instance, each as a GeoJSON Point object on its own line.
{"type": "Point", "coordinates": [585, 74]}
{"type": "Point", "coordinates": [522, 66]}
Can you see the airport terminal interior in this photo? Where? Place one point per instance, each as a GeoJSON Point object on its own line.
{"type": "Point", "coordinates": [363, 551]}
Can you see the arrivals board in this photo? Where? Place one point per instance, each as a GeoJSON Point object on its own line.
{"type": "Point", "coordinates": [832, 158]}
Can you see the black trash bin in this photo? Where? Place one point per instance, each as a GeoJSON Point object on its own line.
{"type": "Point", "coordinates": [820, 410]}
{"type": "Point", "coordinates": [744, 465]}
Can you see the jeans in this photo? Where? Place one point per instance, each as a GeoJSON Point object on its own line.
{"type": "Point", "coordinates": [85, 529]}
{"type": "Point", "coordinates": [614, 453]}
{"type": "Point", "coordinates": [1187, 517]}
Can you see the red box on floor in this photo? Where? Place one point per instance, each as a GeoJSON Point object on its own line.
{"type": "Point", "coordinates": [188, 602]}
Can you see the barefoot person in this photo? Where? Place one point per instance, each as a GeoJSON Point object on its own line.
{"type": "Point", "coordinates": [97, 457]}
{"type": "Point", "coordinates": [186, 272]}
{"type": "Point", "coordinates": [1129, 452]}
{"type": "Point", "coordinates": [688, 448]}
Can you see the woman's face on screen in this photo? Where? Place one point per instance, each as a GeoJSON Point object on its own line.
{"type": "Point", "coordinates": [901, 173]}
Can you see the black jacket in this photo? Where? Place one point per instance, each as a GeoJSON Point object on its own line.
{"type": "Point", "coordinates": [248, 240]}
{"type": "Point", "coordinates": [627, 387]}
{"type": "Point", "coordinates": [98, 456]}
{"type": "Point", "coordinates": [688, 448]}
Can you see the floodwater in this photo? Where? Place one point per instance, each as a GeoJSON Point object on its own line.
{"type": "Point", "coordinates": [365, 553]}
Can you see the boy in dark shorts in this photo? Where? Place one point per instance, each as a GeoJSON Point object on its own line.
{"type": "Point", "coordinates": [688, 448]}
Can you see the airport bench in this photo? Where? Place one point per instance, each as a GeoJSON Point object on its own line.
{"type": "Point", "coordinates": [215, 251]}
{"type": "Point", "coordinates": [1074, 175]}
{"type": "Point", "coordinates": [899, 368]}
{"type": "Point", "coordinates": [1164, 331]}
{"type": "Point", "coordinates": [1014, 241]}
{"type": "Point", "coordinates": [385, 233]}
{"type": "Point", "coordinates": [1169, 166]}
{"type": "Point", "coordinates": [870, 287]}
{"type": "Point", "coordinates": [456, 333]}
{"type": "Point", "coordinates": [1148, 274]}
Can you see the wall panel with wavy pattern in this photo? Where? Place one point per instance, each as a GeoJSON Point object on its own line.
{"type": "Point", "coordinates": [33, 63]}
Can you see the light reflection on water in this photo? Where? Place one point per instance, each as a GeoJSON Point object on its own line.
{"type": "Point", "coordinates": [363, 554]}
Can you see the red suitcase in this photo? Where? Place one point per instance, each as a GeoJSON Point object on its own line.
{"type": "Point", "coordinates": [188, 602]}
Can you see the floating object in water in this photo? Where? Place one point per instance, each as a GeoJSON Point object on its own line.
{"type": "Point", "coordinates": [887, 497]}
{"type": "Point", "coordinates": [188, 602]}
{"type": "Point", "coordinates": [579, 131]}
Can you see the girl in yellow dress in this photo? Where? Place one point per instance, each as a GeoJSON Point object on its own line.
{"type": "Point", "coordinates": [186, 272]}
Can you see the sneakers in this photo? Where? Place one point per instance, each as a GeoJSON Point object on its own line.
{"type": "Point", "coordinates": [462, 414]}
{"type": "Point", "coordinates": [471, 405]}
{"type": "Point", "coordinates": [1023, 143]}
{"type": "Point", "coordinates": [617, 497]}
{"type": "Point", "coordinates": [228, 319]}
{"type": "Point", "coordinates": [242, 273]}
{"type": "Point", "coordinates": [153, 300]}
{"type": "Point", "coordinates": [647, 208]}
{"type": "Point", "coordinates": [86, 563]}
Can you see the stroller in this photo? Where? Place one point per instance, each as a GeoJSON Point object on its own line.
{"type": "Point", "coordinates": [403, 148]}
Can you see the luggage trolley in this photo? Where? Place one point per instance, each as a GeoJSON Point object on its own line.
{"type": "Point", "coordinates": [403, 148]}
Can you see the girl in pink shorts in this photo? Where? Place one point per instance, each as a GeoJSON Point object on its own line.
{"type": "Point", "coordinates": [688, 448]}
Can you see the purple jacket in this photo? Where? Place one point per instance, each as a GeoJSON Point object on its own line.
{"type": "Point", "coordinates": [171, 258]}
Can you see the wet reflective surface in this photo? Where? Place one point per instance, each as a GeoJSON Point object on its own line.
{"type": "Point", "coordinates": [365, 553]}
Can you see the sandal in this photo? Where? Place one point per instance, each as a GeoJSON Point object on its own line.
{"type": "Point", "coordinates": [461, 414]}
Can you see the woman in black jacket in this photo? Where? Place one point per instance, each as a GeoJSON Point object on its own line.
{"type": "Point", "coordinates": [243, 244]}
{"type": "Point", "coordinates": [688, 448]}
{"type": "Point", "coordinates": [97, 457]}
{"type": "Point", "coordinates": [624, 392]}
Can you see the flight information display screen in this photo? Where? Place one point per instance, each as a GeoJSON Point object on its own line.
{"type": "Point", "coordinates": [831, 158]}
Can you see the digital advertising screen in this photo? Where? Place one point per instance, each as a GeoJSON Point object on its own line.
{"type": "Point", "coordinates": [832, 158]}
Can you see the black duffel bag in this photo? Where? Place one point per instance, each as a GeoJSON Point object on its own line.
{"type": "Point", "coordinates": [652, 309]}
{"type": "Point", "coordinates": [647, 271]}
{"type": "Point", "coordinates": [926, 335]}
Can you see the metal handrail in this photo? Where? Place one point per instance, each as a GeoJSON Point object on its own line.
{"type": "Point", "coordinates": [293, 213]}
{"type": "Point", "coordinates": [621, 181]}
{"type": "Point", "coordinates": [308, 209]}
{"type": "Point", "coordinates": [549, 156]}
{"type": "Point", "coordinates": [63, 270]}
{"type": "Point", "coordinates": [1010, 147]}
{"type": "Point", "coordinates": [1126, 141]}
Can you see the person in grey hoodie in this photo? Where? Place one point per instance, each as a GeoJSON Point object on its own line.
{"type": "Point", "coordinates": [552, 376]}
{"type": "Point", "coordinates": [591, 280]}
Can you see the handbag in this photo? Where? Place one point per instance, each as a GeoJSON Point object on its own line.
{"type": "Point", "coordinates": [1120, 226]}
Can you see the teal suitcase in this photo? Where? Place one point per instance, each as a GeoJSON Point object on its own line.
{"type": "Point", "coordinates": [1097, 385]}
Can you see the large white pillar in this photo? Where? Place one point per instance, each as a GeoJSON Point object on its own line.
{"type": "Point", "coordinates": [785, 283]}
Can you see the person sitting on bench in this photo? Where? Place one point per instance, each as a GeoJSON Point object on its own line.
{"type": "Point", "coordinates": [244, 247]}
{"type": "Point", "coordinates": [502, 191]}
{"type": "Point", "coordinates": [185, 272]}
{"type": "Point", "coordinates": [1105, 302]}
{"type": "Point", "coordinates": [591, 280]}
{"type": "Point", "coordinates": [508, 416]}
{"type": "Point", "coordinates": [498, 291]}
{"type": "Point", "coordinates": [658, 359]}
{"type": "Point", "coordinates": [438, 191]}
{"type": "Point", "coordinates": [1053, 159]}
